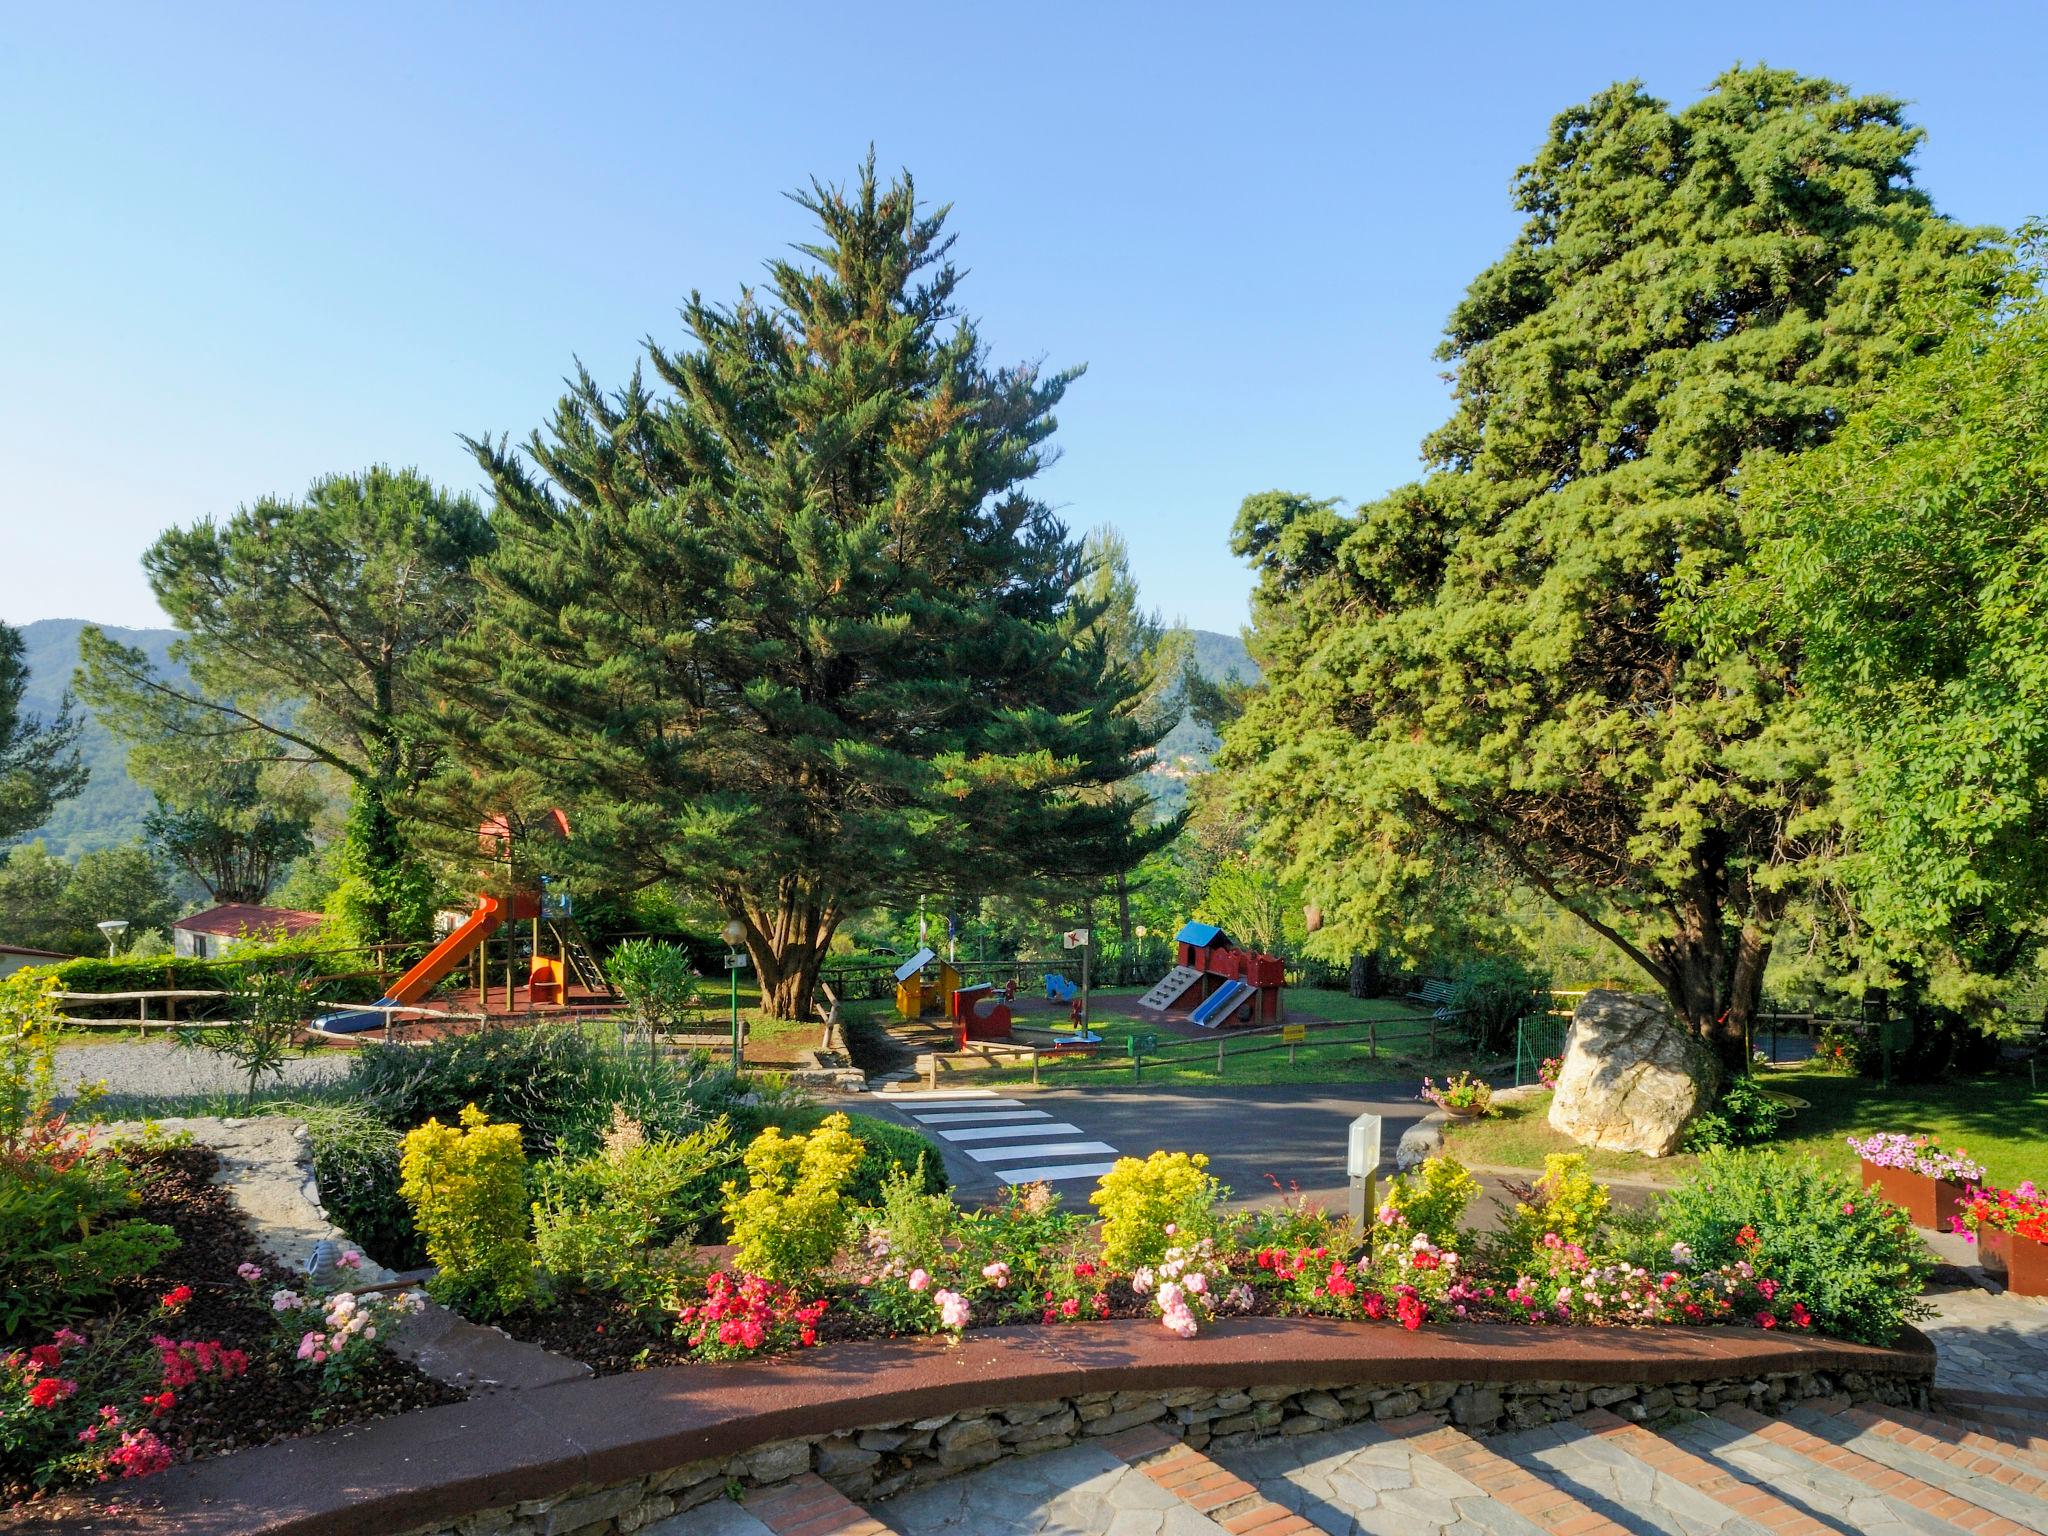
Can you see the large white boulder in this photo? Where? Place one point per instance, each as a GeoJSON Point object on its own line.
{"type": "Point", "coordinates": [1633, 1075]}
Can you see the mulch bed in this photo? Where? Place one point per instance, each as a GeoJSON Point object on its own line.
{"type": "Point", "coordinates": [272, 1401]}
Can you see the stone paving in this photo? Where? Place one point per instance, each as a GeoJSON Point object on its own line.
{"type": "Point", "coordinates": [1987, 1343]}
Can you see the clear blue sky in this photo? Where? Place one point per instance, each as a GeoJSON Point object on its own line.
{"type": "Point", "coordinates": [244, 245]}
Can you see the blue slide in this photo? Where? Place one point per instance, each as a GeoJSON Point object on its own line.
{"type": "Point", "coordinates": [1221, 1004]}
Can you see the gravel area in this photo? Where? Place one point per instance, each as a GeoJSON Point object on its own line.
{"type": "Point", "coordinates": [163, 1067]}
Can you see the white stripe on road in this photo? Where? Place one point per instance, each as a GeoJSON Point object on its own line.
{"type": "Point", "coordinates": [1040, 1149]}
{"type": "Point", "coordinates": [941, 1095]}
{"type": "Point", "coordinates": [985, 1116]}
{"type": "Point", "coordinates": [991, 1132]}
{"type": "Point", "coordinates": [1054, 1171]}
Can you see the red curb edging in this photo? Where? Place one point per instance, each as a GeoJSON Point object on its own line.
{"type": "Point", "coordinates": [438, 1464]}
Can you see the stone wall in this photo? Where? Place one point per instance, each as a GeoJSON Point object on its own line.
{"type": "Point", "coordinates": [872, 1463]}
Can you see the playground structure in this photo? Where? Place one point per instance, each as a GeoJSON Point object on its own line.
{"type": "Point", "coordinates": [547, 981]}
{"type": "Point", "coordinates": [1215, 983]}
{"type": "Point", "coordinates": [980, 1012]}
{"type": "Point", "coordinates": [925, 984]}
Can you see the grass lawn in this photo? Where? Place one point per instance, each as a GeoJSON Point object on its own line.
{"type": "Point", "coordinates": [1999, 1120]}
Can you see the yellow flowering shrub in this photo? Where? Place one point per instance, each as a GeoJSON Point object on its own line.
{"type": "Point", "coordinates": [1138, 1201]}
{"type": "Point", "coordinates": [1432, 1199]}
{"type": "Point", "coordinates": [467, 1187]}
{"type": "Point", "coordinates": [791, 1219]}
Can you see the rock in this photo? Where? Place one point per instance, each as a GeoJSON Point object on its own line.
{"type": "Point", "coordinates": [1632, 1076]}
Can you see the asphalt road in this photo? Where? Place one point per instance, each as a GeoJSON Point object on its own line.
{"type": "Point", "coordinates": [1257, 1138]}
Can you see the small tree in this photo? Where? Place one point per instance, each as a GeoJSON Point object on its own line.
{"type": "Point", "coordinates": [268, 1005]}
{"type": "Point", "coordinates": [656, 981]}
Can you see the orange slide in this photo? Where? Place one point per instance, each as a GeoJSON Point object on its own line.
{"type": "Point", "coordinates": [436, 963]}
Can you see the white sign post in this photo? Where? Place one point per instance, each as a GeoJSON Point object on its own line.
{"type": "Point", "coordinates": [1361, 1164]}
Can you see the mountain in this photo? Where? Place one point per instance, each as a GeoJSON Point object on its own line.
{"type": "Point", "coordinates": [110, 809]}
{"type": "Point", "coordinates": [1188, 747]}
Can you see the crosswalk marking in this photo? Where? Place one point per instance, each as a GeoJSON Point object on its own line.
{"type": "Point", "coordinates": [1053, 1171]}
{"type": "Point", "coordinates": [993, 1129]}
{"type": "Point", "coordinates": [991, 1132]}
{"type": "Point", "coordinates": [1040, 1149]}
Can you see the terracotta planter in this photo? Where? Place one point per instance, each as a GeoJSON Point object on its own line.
{"type": "Point", "coordinates": [2018, 1263]}
{"type": "Point", "coordinates": [1930, 1202]}
{"type": "Point", "coordinates": [1464, 1111]}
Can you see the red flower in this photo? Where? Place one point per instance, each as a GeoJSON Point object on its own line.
{"type": "Point", "coordinates": [50, 1391]}
{"type": "Point", "coordinates": [172, 1300]}
{"type": "Point", "coordinates": [1766, 1320]}
{"type": "Point", "coordinates": [161, 1404]}
{"type": "Point", "coordinates": [1746, 1238]}
{"type": "Point", "coordinates": [1070, 1308]}
{"type": "Point", "coordinates": [45, 1357]}
{"type": "Point", "coordinates": [1800, 1316]}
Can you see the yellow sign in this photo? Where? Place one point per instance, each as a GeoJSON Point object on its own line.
{"type": "Point", "coordinates": [1293, 1034]}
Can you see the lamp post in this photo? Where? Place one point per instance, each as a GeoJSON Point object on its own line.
{"type": "Point", "coordinates": [113, 928]}
{"type": "Point", "coordinates": [735, 934]}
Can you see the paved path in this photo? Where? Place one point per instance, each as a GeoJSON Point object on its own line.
{"type": "Point", "coordinates": [1822, 1469]}
{"type": "Point", "coordinates": [163, 1068]}
{"type": "Point", "coordinates": [1987, 1343]}
{"type": "Point", "coordinates": [1005, 1139]}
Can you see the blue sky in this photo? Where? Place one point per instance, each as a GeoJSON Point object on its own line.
{"type": "Point", "coordinates": [243, 246]}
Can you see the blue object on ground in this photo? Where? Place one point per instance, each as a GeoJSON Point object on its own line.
{"type": "Point", "coordinates": [353, 1021]}
{"type": "Point", "coordinates": [1058, 989]}
{"type": "Point", "coordinates": [1221, 1004]}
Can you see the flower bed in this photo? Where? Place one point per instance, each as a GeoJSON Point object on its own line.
{"type": "Point", "coordinates": [186, 1360]}
{"type": "Point", "coordinates": [1924, 1179]}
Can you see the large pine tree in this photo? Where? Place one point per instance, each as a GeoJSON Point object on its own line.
{"type": "Point", "coordinates": [791, 633]}
{"type": "Point", "coordinates": [1475, 681]}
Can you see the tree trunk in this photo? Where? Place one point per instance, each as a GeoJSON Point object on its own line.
{"type": "Point", "coordinates": [1716, 986]}
{"type": "Point", "coordinates": [787, 941]}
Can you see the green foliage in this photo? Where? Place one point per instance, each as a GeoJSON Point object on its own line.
{"type": "Point", "coordinates": [610, 1220]}
{"type": "Point", "coordinates": [910, 1226]}
{"type": "Point", "coordinates": [1491, 993]}
{"type": "Point", "coordinates": [1138, 1201]}
{"type": "Point", "coordinates": [794, 631]}
{"type": "Point", "coordinates": [355, 1161]}
{"type": "Point", "coordinates": [39, 761]}
{"type": "Point", "coordinates": [1905, 561]}
{"type": "Point", "coordinates": [1743, 1116]}
{"type": "Point", "coordinates": [305, 627]}
{"type": "Point", "coordinates": [1475, 681]}
{"type": "Point", "coordinates": [1432, 1199]}
{"type": "Point", "coordinates": [1566, 1200]}
{"type": "Point", "coordinates": [1257, 910]}
{"type": "Point", "coordinates": [28, 1055]}
{"type": "Point", "coordinates": [267, 1005]}
{"type": "Point", "coordinates": [1855, 1261]}
{"type": "Point", "coordinates": [224, 821]}
{"type": "Point", "coordinates": [888, 1146]}
{"type": "Point", "coordinates": [380, 892]}
{"type": "Point", "coordinates": [66, 1241]}
{"type": "Point", "coordinates": [656, 979]}
{"type": "Point", "coordinates": [467, 1188]}
{"type": "Point", "coordinates": [791, 1219]}
{"type": "Point", "coordinates": [332, 975]}
{"type": "Point", "coordinates": [49, 904]}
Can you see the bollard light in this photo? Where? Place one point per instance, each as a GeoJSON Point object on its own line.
{"type": "Point", "coordinates": [1361, 1165]}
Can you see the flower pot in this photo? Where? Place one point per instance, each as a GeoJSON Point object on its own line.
{"type": "Point", "coordinates": [1465, 1111]}
{"type": "Point", "coordinates": [2018, 1263]}
{"type": "Point", "coordinates": [1930, 1202]}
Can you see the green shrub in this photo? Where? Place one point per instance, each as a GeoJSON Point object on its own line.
{"type": "Point", "coordinates": [791, 1219]}
{"type": "Point", "coordinates": [558, 1083]}
{"type": "Point", "coordinates": [657, 980]}
{"type": "Point", "coordinates": [908, 1225]}
{"type": "Point", "coordinates": [1138, 1201]}
{"type": "Point", "coordinates": [355, 1161]}
{"type": "Point", "coordinates": [467, 1187]}
{"type": "Point", "coordinates": [1743, 1116]}
{"type": "Point", "coordinates": [886, 1146]}
{"type": "Point", "coordinates": [609, 1220]}
{"type": "Point", "coordinates": [66, 1241]}
{"type": "Point", "coordinates": [1855, 1261]}
{"type": "Point", "coordinates": [1491, 993]}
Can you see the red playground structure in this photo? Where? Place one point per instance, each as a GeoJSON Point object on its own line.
{"type": "Point", "coordinates": [980, 1013]}
{"type": "Point", "coordinates": [1214, 982]}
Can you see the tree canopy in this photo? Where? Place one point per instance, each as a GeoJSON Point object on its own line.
{"type": "Point", "coordinates": [1474, 681]}
{"type": "Point", "coordinates": [39, 761]}
{"type": "Point", "coordinates": [306, 624]}
{"type": "Point", "coordinates": [1906, 564]}
{"type": "Point", "coordinates": [790, 629]}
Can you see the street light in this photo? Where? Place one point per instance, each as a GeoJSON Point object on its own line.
{"type": "Point", "coordinates": [735, 933]}
{"type": "Point", "coordinates": [113, 928]}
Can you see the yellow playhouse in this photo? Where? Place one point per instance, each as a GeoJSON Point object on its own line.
{"type": "Point", "coordinates": [925, 984]}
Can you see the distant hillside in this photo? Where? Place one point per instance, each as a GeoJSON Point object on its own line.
{"type": "Point", "coordinates": [1189, 746]}
{"type": "Point", "coordinates": [111, 808]}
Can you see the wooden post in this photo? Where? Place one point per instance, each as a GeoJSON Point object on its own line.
{"type": "Point", "coordinates": [1372, 1038]}
{"type": "Point", "coordinates": [1034, 1066]}
{"type": "Point", "coordinates": [1219, 1053]}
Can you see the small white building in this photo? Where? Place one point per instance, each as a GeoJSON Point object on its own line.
{"type": "Point", "coordinates": [16, 957]}
{"type": "Point", "coordinates": [210, 934]}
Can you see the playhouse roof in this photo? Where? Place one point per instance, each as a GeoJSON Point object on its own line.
{"type": "Point", "coordinates": [1201, 935]}
{"type": "Point", "coordinates": [914, 964]}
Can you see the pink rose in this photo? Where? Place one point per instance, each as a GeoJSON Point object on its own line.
{"type": "Point", "coordinates": [919, 1280]}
